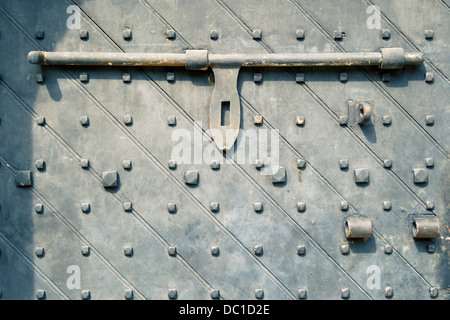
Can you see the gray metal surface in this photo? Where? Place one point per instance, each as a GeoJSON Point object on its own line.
{"type": "Point", "coordinates": [88, 179]}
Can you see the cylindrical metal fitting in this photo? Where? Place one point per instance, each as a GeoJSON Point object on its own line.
{"type": "Point", "coordinates": [358, 227]}
{"type": "Point", "coordinates": [426, 228]}
{"type": "Point", "coordinates": [364, 113]}
{"type": "Point", "coordinates": [387, 58]}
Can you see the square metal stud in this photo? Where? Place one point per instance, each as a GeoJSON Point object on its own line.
{"type": "Point", "coordinates": [429, 120]}
{"type": "Point", "coordinates": [387, 163]}
{"type": "Point", "coordinates": [259, 163]}
{"type": "Point", "coordinates": [215, 294]}
{"type": "Point", "coordinates": [191, 177]}
{"type": "Point", "coordinates": [39, 208]}
{"type": "Point", "coordinates": [126, 77]}
{"type": "Point", "coordinates": [171, 120]}
{"type": "Point", "coordinates": [429, 205]}
{"type": "Point", "coordinates": [170, 76]}
{"type": "Point", "coordinates": [257, 77]}
{"type": "Point", "coordinates": [431, 248]}
{"type": "Point", "coordinates": [387, 120]}
{"type": "Point", "coordinates": [278, 174]}
{"type": "Point", "coordinates": [385, 34]}
{"type": "Point", "coordinates": [85, 250]}
{"type": "Point", "coordinates": [127, 206]}
{"type": "Point", "coordinates": [343, 77]}
{"type": "Point", "coordinates": [40, 294]}
{"type": "Point", "coordinates": [301, 163]}
{"type": "Point", "coordinates": [258, 206]}
{"type": "Point", "coordinates": [129, 294]}
{"type": "Point", "coordinates": [172, 207]}
{"type": "Point", "coordinates": [301, 250]}
{"type": "Point", "coordinates": [128, 119]}
{"type": "Point", "coordinates": [39, 251]}
{"type": "Point", "coordinates": [338, 35]}
{"type": "Point", "coordinates": [344, 205]}
{"type": "Point", "coordinates": [170, 34]}
{"type": "Point", "coordinates": [343, 163]}
{"type": "Point", "coordinates": [345, 293]}
{"type": "Point", "coordinates": [257, 34]}
{"type": "Point", "coordinates": [126, 164]}
{"type": "Point", "coordinates": [258, 249]}
{"type": "Point", "coordinates": [84, 34]}
{"type": "Point", "coordinates": [343, 120]}
{"type": "Point", "coordinates": [128, 251]}
{"type": "Point", "coordinates": [127, 34]}
{"type": "Point", "coordinates": [386, 77]}
{"type": "Point", "coordinates": [300, 120]}
{"type": "Point", "coordinates": [259, 294]}
{"type": "Point", "coordinates": [429, 77]}
{"type": "Point", "coordinates": [40, 164]}
{"type": "Point", "coordinates": [300, 77]}
{"type": "Point", "coordinates": [434, 292]}
{"type": "Point", "coordinates": [420, 175]}
{"type": "Point", "coordinates": [40, 121]}
{"type": "Point", "coordinates": [429, 34]}
{"type": "Point", "coordinates": [388, 292]}
{"type": "Point", "coordinates": [302, 294]}
{"type": "Point", "coordinates": [84, 77]}
{"type": "Point", "coordinates": [214, 34]}
{"type": "Point", "coordinates": [84, 163]}
{"type": "Point", "coordinates": [215, 251]}
{"type": "Point", "coordinates": [345, 249]}
{"type": "Point", "coordinates": [85, 207]}
{"type": "Point", "coordinates": [85, 294]}
{"type": "Point", "coordinates": [173, 294]}
{"type": "Point", "coordinates": [388, 249]}
{"type": "Point", "coordinates": [172, 251]}
{"type": "Point", "coordinates": [361, 175]}
{"type": "Point", "coordinates": [387, 205]}
{"type": "Point", "coordinates": [300, 34]}
{"type": "Point", "coordinates": [214, 206]}
{"type": "Point", "coordinates": [39, 78]}
{"type": "Point", "coordinates": [257, 119]}
{"type": "Point", "coordinates": [23, 178]}
{"type": "Point", "coordinates": [429, 162]}
{"type": "Point", "coordinates": [215, 164]}
{"type": "Point", "coordinates": [110, 179]}
{"type": "Point", "coordinates": [172, 164]}
{"type": "Point", "coordinates": [84, 121]}
{"type": "Point", "coordinates": [39, 34]}
{"type": "Point", "coordinates": [301, 206]}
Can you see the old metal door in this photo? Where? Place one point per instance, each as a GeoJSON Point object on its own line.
{"type": "Point", "coordinates": [113, 188]}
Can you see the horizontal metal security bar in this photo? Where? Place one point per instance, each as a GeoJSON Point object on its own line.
{"type": "Point", "coordinates": [226, 71]}
{"type": "Point", "coordinates": [387, 58]}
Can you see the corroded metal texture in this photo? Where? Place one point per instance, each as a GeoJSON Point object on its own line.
{"type": "Point", "coordinates": [112, 185]}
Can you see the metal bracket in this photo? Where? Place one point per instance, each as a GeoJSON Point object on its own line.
{"type": "Point", "coordinates": [225, 108]}
{"type": "Point", "coordinates": [359, 112]}
{"type": "Point", "coordinates": [225, 103]}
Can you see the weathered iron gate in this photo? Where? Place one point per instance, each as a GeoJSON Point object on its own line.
{"type": "Point", "coordinates": [113, 185]}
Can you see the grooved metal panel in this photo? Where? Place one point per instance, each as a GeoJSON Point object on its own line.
{"type": "Point", "coordinates": [155, 236]}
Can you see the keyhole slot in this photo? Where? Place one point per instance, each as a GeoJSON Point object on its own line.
{"type": "Point", "coordinates": [225, 114]}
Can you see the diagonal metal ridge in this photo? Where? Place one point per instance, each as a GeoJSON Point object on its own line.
{"type": "Point", "coordinates": [443, 4]}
